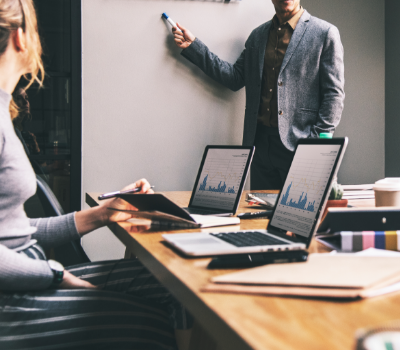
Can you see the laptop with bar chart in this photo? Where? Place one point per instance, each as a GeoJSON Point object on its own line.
{"type": "Point", "coordinates": [296, 215]}
{"type": "Point", "coordinates": [220, 180]}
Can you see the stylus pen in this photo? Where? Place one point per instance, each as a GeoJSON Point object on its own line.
{"type": "Point", "coordinates": [116, 193]}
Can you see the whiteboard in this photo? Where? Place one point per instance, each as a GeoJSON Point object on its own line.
{"type": "Point", "coordinates": [147, 111]}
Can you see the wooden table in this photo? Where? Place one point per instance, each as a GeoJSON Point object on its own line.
{"type": "Point", "coordinates": [252, 322]}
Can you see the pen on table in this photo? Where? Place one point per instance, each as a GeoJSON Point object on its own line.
{"type": "Point", "coordinates": [114, 194]}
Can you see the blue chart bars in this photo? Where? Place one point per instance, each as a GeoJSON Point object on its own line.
{"type": "Point", "coordinates": [220, 188]}
{"type": "Point", "coordinates": [301, 203]}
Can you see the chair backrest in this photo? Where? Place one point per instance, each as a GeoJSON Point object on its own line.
{"type": "Point", "coordinates": [49, 201]}
{"type": "Point", "coordinates": [68, 254]}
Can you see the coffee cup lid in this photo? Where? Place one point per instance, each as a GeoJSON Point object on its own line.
{"type": "Point", "coordinates": [389, 180]}
{"type": "Point", "coordinates": [387, 186]}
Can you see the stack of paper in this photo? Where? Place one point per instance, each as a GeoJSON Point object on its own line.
{"type": "Point", "coordinates": [338, 276]}
{"type": "Point", "coordinates": [352, 192]}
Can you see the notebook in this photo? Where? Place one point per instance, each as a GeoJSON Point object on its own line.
{"type": "Point", "coordinates": [298, 209]}
{"type": "Point", "coordinates": [163, 212]}
{"type": "Point", "coordinates": [220, 180]}
{"type": "Point", "coordinates": [323, 275]}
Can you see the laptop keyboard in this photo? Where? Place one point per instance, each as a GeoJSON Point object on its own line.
{"type": "Point", "coordinates": [248, 239]}
{"type": "Point", "coordinates": [200, 211]}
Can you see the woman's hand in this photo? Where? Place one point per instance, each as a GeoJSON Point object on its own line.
{"type": "Point", "coordinates": [118, 203]}
{"type": "Point", "coordinates": [72, 282]}
{"type": "Point", "coordinates": [184, 38]}
{"type": "Point", "coordinates": [96, 217]}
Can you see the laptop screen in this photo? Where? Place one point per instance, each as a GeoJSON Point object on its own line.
{"type": "Point", "coordinates": [305, 188]}
{"type": "Point", "coordinates": [221, 177]}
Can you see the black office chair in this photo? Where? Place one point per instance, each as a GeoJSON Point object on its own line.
{"type": "Point", "coordinates": [45, 204]}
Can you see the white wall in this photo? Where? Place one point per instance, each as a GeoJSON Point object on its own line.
{"type": "Point", "coordinates": [148, 112]}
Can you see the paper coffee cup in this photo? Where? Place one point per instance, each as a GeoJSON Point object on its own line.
{"type": "Point", "coordinates": [387, 193]}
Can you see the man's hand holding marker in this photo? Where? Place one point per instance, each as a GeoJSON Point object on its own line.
{"type": "Point", "coordinates": [183, 37]}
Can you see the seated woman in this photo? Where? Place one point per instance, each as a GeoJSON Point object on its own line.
{"type": "Point", "coordinates": [101, 305]}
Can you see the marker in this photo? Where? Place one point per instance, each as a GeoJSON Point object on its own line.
{"type": "Point", "coordinates": [170, 21]}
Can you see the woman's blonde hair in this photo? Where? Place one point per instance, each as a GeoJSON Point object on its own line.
{"type": "Point", "coordinates": [16, 14]}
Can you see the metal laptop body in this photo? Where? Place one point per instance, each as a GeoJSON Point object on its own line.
{"type": "Point", "coordinates": [220, 180]}
{"type": "Point", "coordinates": [298, 210]}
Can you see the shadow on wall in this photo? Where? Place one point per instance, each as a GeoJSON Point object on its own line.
{"type": "Point", "coordinates": [209, 85]}
{"type": "Point", "coordinates": [205, 133]}
{"type": "Point", "coordinates": [213, 89]}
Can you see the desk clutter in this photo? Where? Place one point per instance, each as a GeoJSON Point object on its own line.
{"type": "Point", "coordinates": [263, 200]}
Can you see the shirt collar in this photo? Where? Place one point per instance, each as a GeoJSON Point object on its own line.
{"type": "Point", "coordinates": [292, 22]}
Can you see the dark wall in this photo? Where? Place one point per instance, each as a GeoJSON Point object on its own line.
{"type": "Point", "coordinates": [392, 51]}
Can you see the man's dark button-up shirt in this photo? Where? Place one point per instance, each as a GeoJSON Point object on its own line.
{"type": "Point", "coordinates": [278, 42]}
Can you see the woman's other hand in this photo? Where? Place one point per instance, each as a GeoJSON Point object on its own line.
{"type": "Point", "coordinates": [72, 282]}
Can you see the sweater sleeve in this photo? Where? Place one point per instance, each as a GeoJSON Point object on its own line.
{"type": "Point", "coordinates": [20, 273]}
{"type": "Point", "coordinates": [55, 231]}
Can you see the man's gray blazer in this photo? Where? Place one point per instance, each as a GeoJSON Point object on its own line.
{"type": "Point", "coordinates": [310, 83]}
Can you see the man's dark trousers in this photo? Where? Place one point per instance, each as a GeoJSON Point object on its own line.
{"type": "Point", "coordinates": [271, 160]}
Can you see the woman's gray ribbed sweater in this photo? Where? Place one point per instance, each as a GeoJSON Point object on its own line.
{"type": "Point", "coordinates": [17, 184]}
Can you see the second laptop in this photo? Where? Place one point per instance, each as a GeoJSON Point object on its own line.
{"type": "Point", "coordinates": [220, 180]}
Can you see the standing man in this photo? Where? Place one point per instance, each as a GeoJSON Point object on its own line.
{"type": "Point", "coordinates": [292, 68]}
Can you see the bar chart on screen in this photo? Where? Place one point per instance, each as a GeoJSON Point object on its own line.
{"type": "Point", "coordinates": [305, 186]}
{"type": "Point", "coordinates": [220, 178]}
{"type": "Point", "coordinates": [300, 204]}
{"type": "Point", "coordinates": [222, 188]}
{"type": "Point", "coordinates": [305, 190]}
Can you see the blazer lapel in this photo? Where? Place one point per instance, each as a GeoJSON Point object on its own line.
{"type": "Point", "coordinates": [262, 46]}
{"type": "Point", "coordinates": [296, 37]}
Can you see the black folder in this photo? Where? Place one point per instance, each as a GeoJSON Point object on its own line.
{"type": "Point", "coordinates": [360, 219]}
